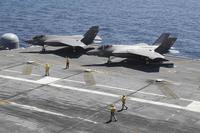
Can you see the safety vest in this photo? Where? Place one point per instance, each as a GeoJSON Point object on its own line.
{"type": "Point", "coordinates": [123, 99]}
{"type": "Point", "coordinates": [46, 66]}
{"type": "Point", "coordinates": [112, 109]}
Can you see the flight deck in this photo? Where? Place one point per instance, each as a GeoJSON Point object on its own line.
{"type": "Point", "coordinates": [160, 99]}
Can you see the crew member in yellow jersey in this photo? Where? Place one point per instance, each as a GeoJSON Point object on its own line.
{"type": "Point", "coordinates": [123, 100]}
{"type": "Point", "coordinates": [46, 67]}
{"type": "Point", "coordinates": [112, 113]}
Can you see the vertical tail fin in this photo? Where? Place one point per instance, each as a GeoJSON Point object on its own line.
{"type": "Point", "coordinates": [166, 45]}
{"type": "Point", "coordinates": [90, 35]}
{"type": "Point", "coordinates": [163, 37]}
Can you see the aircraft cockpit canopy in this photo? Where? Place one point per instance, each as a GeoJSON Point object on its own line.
{"type": "Point", "coordinates": [38, 37]}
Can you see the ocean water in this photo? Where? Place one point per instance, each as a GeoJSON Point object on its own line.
{"type": "Point", "coordinates": [120, 21]}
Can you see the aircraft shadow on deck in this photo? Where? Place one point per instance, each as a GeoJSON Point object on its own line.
{"type": "Point", "coordinates": [135, 65]}
{"type": "Point", "coordinates": [63, 52]}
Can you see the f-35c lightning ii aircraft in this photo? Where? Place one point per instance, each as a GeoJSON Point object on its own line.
{"type": "Point", "coordinates": [74, 41]}
{"type": "Point", "coordinates": [141, 52]}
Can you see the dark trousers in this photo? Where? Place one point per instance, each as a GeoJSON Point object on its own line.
{"type": "Point", "coordinates": [112, 115]}
{"type": "Point", "coordinates": [124, 106]}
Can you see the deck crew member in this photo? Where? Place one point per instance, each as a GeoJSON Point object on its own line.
{"type": "Point", "coordinates": [112, 113]}
{"type": "Point", "coordinates": [46, 67]}
{"type": "Point", "coordinates": [123, 100]}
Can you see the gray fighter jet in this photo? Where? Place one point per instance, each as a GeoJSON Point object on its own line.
{"type": "Point", "coordinates": [140, 52]}
{"type": "Point", "coordinates": [74, 41]}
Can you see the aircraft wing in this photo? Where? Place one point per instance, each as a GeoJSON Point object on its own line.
{"type": "Point", "coordinates": [64, 42]}
{"type": "Point", "coordinates": [141, 52]}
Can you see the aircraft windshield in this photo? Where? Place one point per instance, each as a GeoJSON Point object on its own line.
{"type": "Point", "coordinates": [38, 37]}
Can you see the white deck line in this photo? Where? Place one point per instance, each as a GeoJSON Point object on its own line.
{"type": "Point", "coordinates": [18, 79]}
{"type": "Point", "coordinates": [8, 70]}
{"type": "Point", "coordinates": [32, 108]}
{"type": "Point", "coordinates": [190, 107]}
{"type": "Point", "coordinates": [47, 80]}
{"type": "Point", "coordinates": [84, 90]}
{"type": "Point", "coordinates": [116, 88]}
